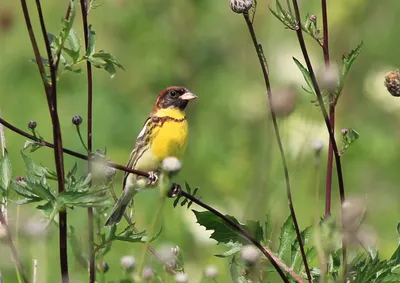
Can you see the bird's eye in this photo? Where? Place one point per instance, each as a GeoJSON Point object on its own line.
{"type": "Point", "coordinates": [173, 93]}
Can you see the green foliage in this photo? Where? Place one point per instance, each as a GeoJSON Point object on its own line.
{"type": "Point", "coordinates": [349, 136]}
{"type": "Point", "coordinates": [347, 62]}
{"type": "Point", "coordinates": [306, 76]}
{"type": "Point", "coordinates": [284, 16]}
{"type": "Point", "coordinates": [5, 173]}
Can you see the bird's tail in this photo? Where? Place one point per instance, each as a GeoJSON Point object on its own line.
{"type": "Point", "coordinates": [119, 208]}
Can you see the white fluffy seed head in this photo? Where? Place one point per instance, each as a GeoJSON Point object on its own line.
{"type": "Point", "coordinates": [128, 262]}
{"type": "Point", "coordinates": [211, 272]}
{"type": "Point", "coordinates": [240, 6]}
{"type": "Point", "coordinates": [181, 278]}
{"type": "Point", "coordinates": [171, 164]}
{"type": "Point", "coordinates": [250, 255]}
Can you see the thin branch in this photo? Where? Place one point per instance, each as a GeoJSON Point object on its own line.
{"type": "Point", "coordinates": [264, 68]}
{"type": "Point", "coordinates": [92, 263]}
{"type": "Point", "coordinates": [275, 261]}
{"type": "Point", "coordinates": [332, 104]}
{"type": "Point", "coordinates": [325, 114]}
{"type": "Point", "coordinates": [68, 151]}
{"type": "Point", "coordinates": [14, 252]}
{"type": "Point", "coordinates": [3, 206]}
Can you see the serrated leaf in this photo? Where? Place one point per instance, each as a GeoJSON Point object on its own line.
{"type": "Point", "coordinates": [66, 24]}
{"type": "Point", "coordinates": [223, 233]}
{"type": "Point", "coordinates": [286, 237]}
{"type": "Point", "coordinates": [306, 74]}
{"type": "Point", "coordinates": [296, 253]}
{"type": "Point", "coordinates": [396, 256]}
{"type": "Point", "coordinates": [233, 270]}
{"type": "Point", "coordinates": [83, 199]}
{"type": "Point", "coordinates": [347, 62]}
{"type": "Point", "coordinates": [47, 209]}
{"type": "Point", "coordinates": [22, 189]}
{"type": "Point", "coordinates": [235, 247]}
{"type": "Point", "coordinates": [349, 136]}
{"type": "Point", "coordinates": [256, 230]}
{"type": "Point", "coordinates": [36, 169]}
{"type": "Point", "coordinates": [5, 172]}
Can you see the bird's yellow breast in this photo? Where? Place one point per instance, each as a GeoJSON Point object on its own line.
{"type": "Point", "coordinates": [171, 137]}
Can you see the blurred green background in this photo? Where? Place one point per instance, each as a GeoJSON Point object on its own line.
{"type": "Point", "coordinates": [232, 155]}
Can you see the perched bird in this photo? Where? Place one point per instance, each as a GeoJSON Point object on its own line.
{"type": "Point", "coordinates": [164, 134]}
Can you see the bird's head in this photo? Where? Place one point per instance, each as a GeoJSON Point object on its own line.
{"type": "Point", "coordinates": [174, 97]}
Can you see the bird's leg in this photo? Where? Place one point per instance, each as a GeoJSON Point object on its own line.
{"type": "Point", "coordinates": [153, 178]}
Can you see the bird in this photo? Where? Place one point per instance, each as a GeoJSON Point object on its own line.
{"type": "Point", "coordinates": [164, 134]}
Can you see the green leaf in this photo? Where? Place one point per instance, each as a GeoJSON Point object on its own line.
{"type": "Point", "coordinates": [296, 253]}
{"type": "Point", "coordinates": [223, 232]}
{"type": "Point", "coordinates": [22, 189]}
{"type": "Point", "coordinates": [347, 62]}
{"type": "Point", "coordinates": [38, 170]}
{"type": "Point", "coordinates": [92, 42]}
{"type": "Point", "coordinates": [286, 237]}
{"type": "Point", "coordinates": [84, 199]}
{"type": "Point", "coordinates": [235, 247]}
{"type": "Point", "coordinates": [349, 136]}
{"type": "Point", "coordinates": [47, 209]}
{"type": "Point", "coordinates": [5, 172]}
{"type": "Point", "coordinates": [306, 75]}
{"type": "Point", "coordinates": [66, 24]}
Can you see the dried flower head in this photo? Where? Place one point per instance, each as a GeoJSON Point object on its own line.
{"type": "Point", "coordinates": [175, 250]}
{"type": "Point", "coordinates": [392, 83]}
{"type": "Point", "coordinates": [128, 262]}
{"type": "Point", "coordinates": [77, 120]}
{"type": "Point", "coordinates": [250, 255]}
{"type": "Point", "coordinates": [171, 164]}
{"type": "Point", "coordinates": [181, 278]}
{"type": "Point", "coordinates": [211, 272]}
{"type": "Point", "coordinates": [240, 6]}
{"type": "Point", "coordinates": [32, 124]}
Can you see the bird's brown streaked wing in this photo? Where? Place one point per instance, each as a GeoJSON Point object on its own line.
{"type": "Point", "coordinates": [141, 145]}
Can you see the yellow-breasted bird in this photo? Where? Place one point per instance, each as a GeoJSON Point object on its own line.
{"type": "Point", "coordinates": [164, 134]}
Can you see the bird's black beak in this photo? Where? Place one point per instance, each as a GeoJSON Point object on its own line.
{"type": "Point", "coordinates": [188, 96]}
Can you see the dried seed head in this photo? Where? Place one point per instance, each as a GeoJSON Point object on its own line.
{"type": "Point", "coordinates": [329, 78]}
{"type": "Point", "coordinates": [128, 262]}
{"type": "Point", "coordinates": [240, 6]}
{"type": "Point", "coordinates": [181, 278]}
{"type": "Point", "coordinates": [77, 120]}
{"type": "Point", "coordinates": [103, 267]}
{"type": "Point", "coordinates": [35, 227]}
{"type": "Point", "coordinates": [32, 124]}
{"type": "Point", "coordinates": [317, 145]}
{"type": "Point", "coordinates": [313, 18]}
{"type": "Point", "coordinates": [353, 210]}
{"type": "Point", "coordinates": [250, 255]}
{"type": "Point", "coordinates": [171, 164]}
{"type": "Point", "coordinates": [392, 83]}
{"type": "Point", "coordinates": [211, 272]}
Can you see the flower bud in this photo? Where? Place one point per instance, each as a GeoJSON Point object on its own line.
{"type": "Point", "coordinates": [128, 262]}
{"type": "Point", "coordinates": [240, 6]}
{"type": "Point", "coordinates": [181, 278]}
{"type": "Point", "coordinates": [171, 164]}
{"type": "Point", "coordinates": [211, 272]}
{"type": "Point", "coordinates": [103, 267]}
{"type": "Point", "coordinates": [392, 83]}
{"type": "Point", "coordinates": [147, 273]}
{"type": "Point", "coordinates": [77, 120]}
{"type": "Point", "coordinates": [313, 18]}
{"type": "Point", "coordinates": [175, 250]}
{"type": "Point", "coordinates": [32, 124]}
{"type": "Point", "coordinates": [250, 255]}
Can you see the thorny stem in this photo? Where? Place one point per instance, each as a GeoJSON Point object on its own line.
{"type": "Point", "coordinates": [326, 118]}
{"type": "Point", "coordinates": [264, 68]}
{"type": "Point", "coordinates": [51, 95]}
{"type": "Point", "coordinates": [275, 261]}
{"type": "Point", "coordinates": [14, 252]}
{"type": "Point", "coordinates": [84, 10]}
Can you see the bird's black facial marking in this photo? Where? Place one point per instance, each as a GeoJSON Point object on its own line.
{"type": "Point", "coordinates": [171, 99]}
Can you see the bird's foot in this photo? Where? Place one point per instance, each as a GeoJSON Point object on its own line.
{"type": "Point", "coordinates": [153, 178]}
